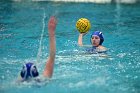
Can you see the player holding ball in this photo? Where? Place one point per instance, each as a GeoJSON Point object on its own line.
{"type": "Point", "coordinates": [83, 26]}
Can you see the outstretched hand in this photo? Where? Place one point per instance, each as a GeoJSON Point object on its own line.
{"type": "Point", "coordinates": [52, 26]}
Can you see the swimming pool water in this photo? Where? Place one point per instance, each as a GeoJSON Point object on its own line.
{"type": "Point", "coordinates": [21, 25]}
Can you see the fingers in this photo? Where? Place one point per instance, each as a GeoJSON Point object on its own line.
{"type": "Point", "coordinates": [52, 23]}
{"type": "Point", "coordinates": [52, 20]}
{"type": "Point", "coordinates": [83, 34]}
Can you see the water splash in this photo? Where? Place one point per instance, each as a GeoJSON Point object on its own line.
{"type": "Point", "coordinates": [118, 10]}
{"type": "Point", "coordinates": [41, 37]}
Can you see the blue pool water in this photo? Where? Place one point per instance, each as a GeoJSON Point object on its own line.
{"type": "Point", "coordinates": [21, 25]}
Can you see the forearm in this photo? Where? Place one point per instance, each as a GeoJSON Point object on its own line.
{"type": "Point", "coordinates": [50, 62]}
{"type": "Point", "coordinates": [49, 68]}
{"type": "Point", "coordinates": [52, 47]}
{"type": "Point", "coordinates": [80, 40]}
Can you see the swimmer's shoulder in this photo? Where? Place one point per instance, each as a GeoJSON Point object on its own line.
{"type": "Point", "coordinates": [101, 49]}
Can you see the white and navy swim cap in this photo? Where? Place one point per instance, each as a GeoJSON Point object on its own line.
{"type": "Point", "coordinates": [29, 70]}
{"type": "Point", "coordinates": [100, 34]}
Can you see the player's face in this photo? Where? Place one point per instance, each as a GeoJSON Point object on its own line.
{"type": "Point", "coordinates": [95, 40]}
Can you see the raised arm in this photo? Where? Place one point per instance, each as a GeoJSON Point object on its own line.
{"type": "Point", "coordinates": [80, 39]}
{"type": "Point", "coordinates": [48, 71]}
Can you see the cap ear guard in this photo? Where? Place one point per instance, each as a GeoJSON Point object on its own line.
{"type": "Point", "coordinates": [101, 41]}
{"type": "Point", "coordinates": [23, 72]}
{"type": "Point", "coordinates": [33, 71]}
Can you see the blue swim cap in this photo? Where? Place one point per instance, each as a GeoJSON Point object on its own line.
{"type": "Point", "coordinates": [98, 33]}
{"type": "Point", "coordinates": [29, 70]}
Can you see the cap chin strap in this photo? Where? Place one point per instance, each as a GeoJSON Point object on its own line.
{"type": "Point", "coordinates": [25, 71]}
{"type": "Point", "coordinates": [32, 69]}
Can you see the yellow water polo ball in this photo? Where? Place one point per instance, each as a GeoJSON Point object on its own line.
{"type": "Point", "coordinates": [83, 25]}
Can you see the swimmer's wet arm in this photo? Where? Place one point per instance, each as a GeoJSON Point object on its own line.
{"type": "Point", "coordinates": [50, 62]}
{"type": "Point", "coordinates": [80, 39]}
{"type": "Point", "coordinates": [49, 68]}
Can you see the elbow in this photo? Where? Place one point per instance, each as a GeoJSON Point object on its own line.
{"type": "Point", "coordinates": [52, 55]}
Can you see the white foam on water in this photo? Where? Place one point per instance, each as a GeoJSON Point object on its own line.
{"type": "Point", "coordinates": [98, 81]}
